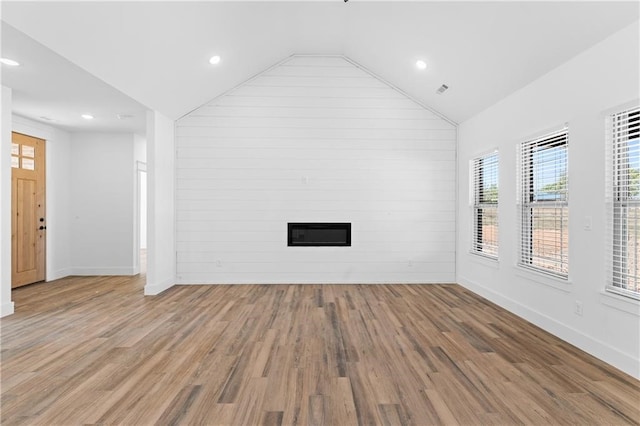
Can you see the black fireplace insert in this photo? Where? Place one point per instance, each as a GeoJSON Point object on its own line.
{"type": "Point", "coordinates": [319, 234]}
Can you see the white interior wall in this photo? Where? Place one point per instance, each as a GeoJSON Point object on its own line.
{"type": "Point", "coordinates": [315, 139]}
{"type": "Point", "coordinates": [161, 254]}
{"type": "Point", "coordinates": [58, 193]}
{"type": "Point", "coordinates": [102, 203]}
{"type": "Point", "coordinates": [6, 305]}
{"type": "Point", "coordinates": [578, 93]}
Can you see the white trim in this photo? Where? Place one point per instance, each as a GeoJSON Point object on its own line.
{"type": "Point", "coordinates": [5, 207]}
{"type": "Point", "coordinates": [180, 281]}
{"type": "Point", "coordinates": [485, 152]}
{"type": "Point", "coordinates": [6, 309]}
{"type": "Point", "coordinates": [33, 127]}
{"type": "Point", "coordinates": [618, 108]}
{"type": "Point", "coordinates": [633, 295]}
{"type": "Point", "coordinates": [550, 280]}
{"type": "Point", "coordinates": [456, 244]}
{"type": "Point", "coordinates": [60, 273]}
{"type": "Point", "coordinates": [483, 259]}
{"type": "Point", "coordinates": [542, 134]}
{"type": "Point", "coordinates": [620, 302]}
{"type": "Point", "coordinates": [99, 270]}
{"type": "Point", "coordinates": [618, 359]}
{"type": "Point", "coordinates": [155, 289]}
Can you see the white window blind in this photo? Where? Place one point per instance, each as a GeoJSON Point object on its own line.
{"type": "Point", "coordinates": [623, 202]}
{"type": "Point", "coordinates": [485, 205]}
{"type": "Point", "coordinates": [543, 204]}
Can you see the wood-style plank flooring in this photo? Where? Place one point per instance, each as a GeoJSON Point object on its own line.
{"type": "Point", "coordinates": [94, 350]}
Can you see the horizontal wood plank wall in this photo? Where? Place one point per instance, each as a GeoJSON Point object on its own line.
{"type": "Point", "coordinates": [315, 139]}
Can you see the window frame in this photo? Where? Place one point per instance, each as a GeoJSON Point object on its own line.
{"type": "Point", "coordinates": [480, 205]}
{"type": "Point", "coordinates": [619, 201]}
{"type": "Point", "coordinates": [530, 207]}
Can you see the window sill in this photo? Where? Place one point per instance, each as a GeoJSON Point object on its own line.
{"type": "Point", "coordinates": [482, 259]}
{"type": "Point", "coordinates": [621, 303]}
{"type": "Point", "coordinates": [544, 279]}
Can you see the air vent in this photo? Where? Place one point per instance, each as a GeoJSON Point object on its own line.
{"type": "Point", "coordinates": [124, 116]}
{"type": "Point", "coordinates": [442, 89]}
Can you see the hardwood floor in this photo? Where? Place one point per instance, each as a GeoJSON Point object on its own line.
{"type": "Point", "coordinates": [89, 350]}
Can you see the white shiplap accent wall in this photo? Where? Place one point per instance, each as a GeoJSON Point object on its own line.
{"type": "Point", "coordinates": [315, 139]}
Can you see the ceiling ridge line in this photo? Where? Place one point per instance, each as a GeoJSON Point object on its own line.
{"type": "Point", "coordinates": [237, 86]}
{"type": "Point", "coordinates": [397, 89]}
{"type": "Point", "coordinates": [346, 58]}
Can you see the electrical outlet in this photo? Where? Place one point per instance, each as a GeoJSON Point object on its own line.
{"type": "Point", "coordinates": [578, 308]}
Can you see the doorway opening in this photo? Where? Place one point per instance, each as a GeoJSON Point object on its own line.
{"type": "Point", "coordinates": [142, 216]}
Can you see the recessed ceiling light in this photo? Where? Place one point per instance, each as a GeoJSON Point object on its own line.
{"type": "Point", "coordinates": [421, 65]}
{"type": "Point", "coordinates": [215, 60]}
{"type": "Point", "coordinates": [9, 62]}
{"type": "Point", "coordinates": [87, 116]}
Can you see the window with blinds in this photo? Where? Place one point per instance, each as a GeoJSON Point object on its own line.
{"type": "Point", "coordinates": [484, 173]}
{"type": "Point", "coordinates": [543, 204]}
{"type": "Point", "coordinates": [623, 202]}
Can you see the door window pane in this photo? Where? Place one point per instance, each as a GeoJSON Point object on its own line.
{"type": "Point", "coordinates": [28, 164]}
{"type": "Point", "coordinates": [28, 151]}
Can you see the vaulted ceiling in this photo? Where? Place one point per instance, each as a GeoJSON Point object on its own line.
{"type": "Point", "coordinates": [157, 53]}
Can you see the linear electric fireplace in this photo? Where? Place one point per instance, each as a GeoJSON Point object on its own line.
{"type": "Point", "coordinates": [319, 234]}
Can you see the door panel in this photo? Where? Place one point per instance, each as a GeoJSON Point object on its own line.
{"type": "Point", "coordinates": [26, 259]}
{"type": "Point", "coordinates": [28, 226]}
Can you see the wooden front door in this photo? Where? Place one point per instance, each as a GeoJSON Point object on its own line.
{"type": "Point", "coordinates": [28, 226]}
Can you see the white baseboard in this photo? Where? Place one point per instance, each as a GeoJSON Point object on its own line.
{"type": "Point", "coordinates": [6, 309]}
{"type": "Point", "coordinates": [157, 288]}
{"type": "Point", "coordinates": [598, 349]}
{"type": "Point", "coordinates": [124, 270]}
{"type": "Point", "coordinates": [60, 273]}
{"type": "Point", "coordinates": [301, 282]}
